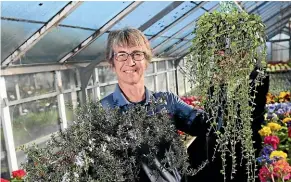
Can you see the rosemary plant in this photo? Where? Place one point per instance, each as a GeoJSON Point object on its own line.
{"type": "Point", "coordinates": [108, 146]}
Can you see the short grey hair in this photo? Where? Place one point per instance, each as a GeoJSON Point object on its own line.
{"type": "Point", "coordinates": [127, 37]}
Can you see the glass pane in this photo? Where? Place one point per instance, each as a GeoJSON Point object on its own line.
{"type": "Point", "coordinates": [13, 34]}
{"type": "Point", "coordinates": [184, 22]}
{"type": "Point", "coordinates": [94, 52]}
{"type": "Point", "coordinates": [154, 43]}
{"type": "Point", "coordinates": [106, 90]}
{"type": "Point", "coordinates": [141, 14]}
{"type": "Point", "coordinates": [95, 14]}
{"type": "Point", "coordinates": [187, 32]}
{"type": "Point", "coordinates": [161, 66]}
{"type": "Point", "coordinates": [210, 5]}
{"type": "Point", "coordinates": [181, 83]}
{"type": "Point", "coordinates": [169, 18]}
{"type": "Point", "coordinates": [106, 74]}
{"type": "Point", "coordinates": [172, 82]}
{"type": "Point", "coordinates": [149, 83]}
{"type": "Point", "coordinates": [166, 45]}
{"type": "Point", "coordinates": [162, 84]}
{"type": "Point", "coordinates": [11, 86]}
{"type": "Point", "coordinates": [69, 108]}
{"type": "Point", "coordinates": [90, 94]}
{"type": "Point", "coordinates": [150, 69]}
{"type": "Point", "coordinates": [90, 82]}
{"type": "Point", "coordinates": [171, 64]}
{"type": "Point", "coordinates": [69, 77]}
{"type": "Point", "coordinates": [31, 10]}
{"type": "Point", "coordinates": [29, 85]}
{"type": "Point", "coordinates": [34, 119]}
{"type": "Point", "coordinates": [55, 45]}
{"type": "Point", "coordinates": [35, 84]}
{"type": "Point", "coordinates": [181, 49]}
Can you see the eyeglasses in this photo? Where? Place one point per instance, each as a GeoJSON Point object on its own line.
{"type": "Point", "coordinates": [123, 56]}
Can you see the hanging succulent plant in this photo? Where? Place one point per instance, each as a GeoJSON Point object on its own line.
{"type": "Point", "coordinates": [227, 47]}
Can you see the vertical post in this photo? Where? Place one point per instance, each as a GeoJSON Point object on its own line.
{"type": "Point", "coordinates": [61, 101]}
{"type": "Point", "coordinates": [7, 127]}
{"type": "Point", "coordinates": [176, 76]}
{"type": "Point", "coordinates": [97, 88]}
{"type": "Point", "coordinates": [271, 51]}
{"type": "Point", "coordinates": [289, 40]}
{"type": "Point", "coordinates": [167, 76]}
{"type": "Point", "coordinates": [156, 76]}
{"type": "Point", "coordinates": [18, 97]}
{"type": "Point", "coordinates": [185, 77]}
{"type": "Point", "coordinates": [73, 88]}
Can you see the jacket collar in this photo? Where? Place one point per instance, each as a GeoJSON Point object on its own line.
{"type": "Point", "coordinates": [120, 100]}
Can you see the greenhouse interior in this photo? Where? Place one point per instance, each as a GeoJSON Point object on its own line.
{"type": "Point", "coordinates": [53, 60]}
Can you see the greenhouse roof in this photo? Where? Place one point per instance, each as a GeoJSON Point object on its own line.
{"type": "Point", "coordinates": [62, 32]}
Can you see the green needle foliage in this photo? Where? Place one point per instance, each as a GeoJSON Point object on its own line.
{"type": "Point", "coordinates": [226, 48]}
{"type": "Point", "coordinates": [108, 146]}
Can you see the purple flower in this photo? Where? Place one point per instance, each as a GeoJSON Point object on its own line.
{"type": "Point", "coordinates": [264, 159]}
{"type": "Point", "coordinates": [267, 150]}
{"type": "Point", "coordinates": [271, 108]}
{"type": "Point", "coordinates": [280, 111]}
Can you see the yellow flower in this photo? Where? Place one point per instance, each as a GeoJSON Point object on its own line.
{"type": "Point", "coordinates": [277, 153]}
{"type": "Point", "coordinates": [285, 120]}
{"type": "Point", "coordinates": [274, 126]}
{"type": "Point", "coordinates": [265, 131]}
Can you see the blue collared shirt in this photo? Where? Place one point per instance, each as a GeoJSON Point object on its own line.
{"type": "Point", "coordinates": [173, 105]}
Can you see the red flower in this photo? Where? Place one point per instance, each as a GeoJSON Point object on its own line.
{"type": "Point", "coordinates": [180, 132]}
{"type": "Point", "coordinates": [272, 140]}
{"type": "Point", "coordinates": [19, 174]}
{"type": "Point", "coordinates": [264, 174]}
{"type": "Point", "coordinates": [289, 132]}
{"type": "Point", "coordinates": [3, 180]}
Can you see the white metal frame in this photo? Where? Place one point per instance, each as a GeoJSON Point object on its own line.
{"type": "Point", "coordinates": [7, 127]}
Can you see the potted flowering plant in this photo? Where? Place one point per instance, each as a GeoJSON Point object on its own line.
{"type": "Point", "coordinates": [275, 156]}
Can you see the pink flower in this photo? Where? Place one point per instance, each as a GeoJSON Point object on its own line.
{"type": "Point", "coordinates": [264, 174]}
{"type": "Point", "coordinates": [272, 140]}
{"type": "Point", "coordinates": [282, 169]}
{"type": "Point", "coordinates": [3, 180]}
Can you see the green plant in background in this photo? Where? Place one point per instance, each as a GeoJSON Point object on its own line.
{"type": "Point", "coordinates": [227, 47]}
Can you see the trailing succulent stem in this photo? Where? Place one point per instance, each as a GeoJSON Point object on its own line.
{"type": "Point", "coordinates": [226, 49]}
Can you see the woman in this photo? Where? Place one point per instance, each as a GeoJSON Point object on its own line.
{"type": "Point", "coordinates": [129, 54]}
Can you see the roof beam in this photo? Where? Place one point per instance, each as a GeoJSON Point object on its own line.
{"type": "Point", "coordinates": [239, 5]}
{"type": "Point", "coordinates": [258, 7]}
{"type": "Point", "coordinates": [101, 31]}
{"type": "Point", "coordinates": [276, 30]}
{"type": "Point", "coordinates": [276, 14]}
{"type": "Point", "coordinates": [277, 25]}
{"type": "Point", "coordinates": [181, 49]}
{"type": "Point", "coordinates": [160, 15]}
{"type": "Point", "coordinates": [39, 34]}
{"type": "Point", "coordinates": [174, 46]}
{"type": "Point", "coordinates": [280, 40]}
{"type": "Point", "coordinates": [178, 20]}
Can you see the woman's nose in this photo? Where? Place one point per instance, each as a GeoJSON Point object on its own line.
{"type": "Point", "coordinates": [130, 61]}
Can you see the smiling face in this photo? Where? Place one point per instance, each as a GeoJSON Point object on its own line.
{"type": "Point", "coordinates": [129, 71]}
